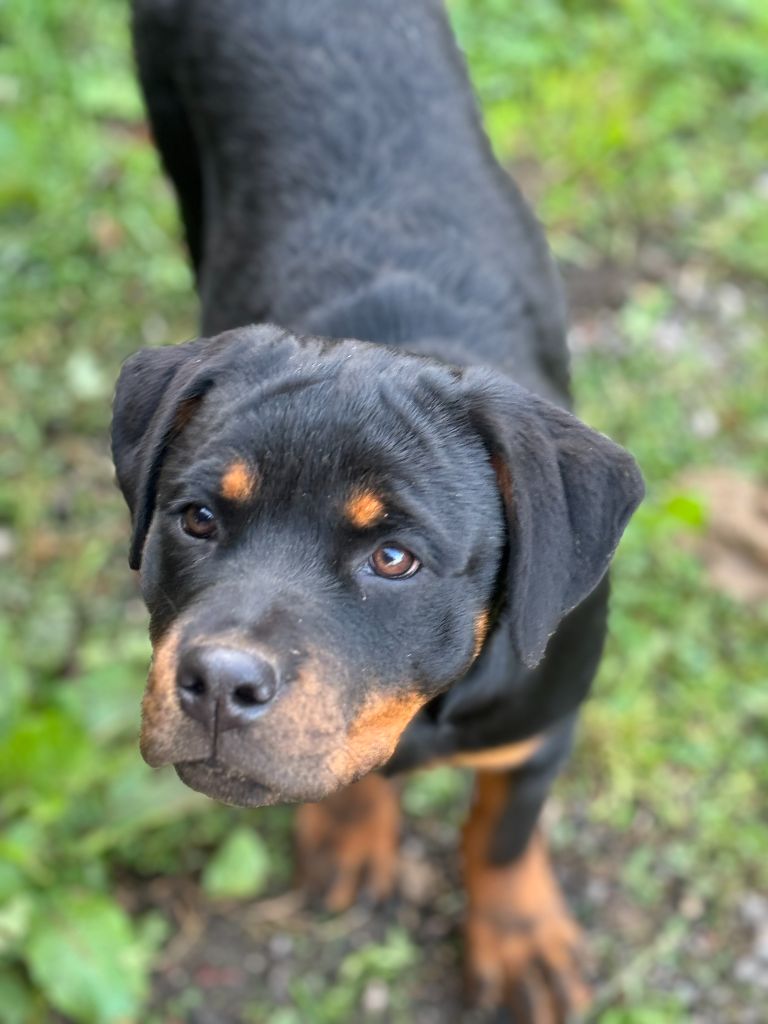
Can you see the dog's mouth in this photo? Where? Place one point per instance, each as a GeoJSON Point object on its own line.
{"type": "Point", "coordinates": [315, 738]}
{"type": "Point", "coordinates": [220, 783]}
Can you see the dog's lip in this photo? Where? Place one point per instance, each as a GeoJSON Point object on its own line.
{"type": "Point", "coordinates": [215, 780]}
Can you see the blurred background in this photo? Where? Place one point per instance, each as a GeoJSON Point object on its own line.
{"type": "Point", "coordinates": [638, 131]}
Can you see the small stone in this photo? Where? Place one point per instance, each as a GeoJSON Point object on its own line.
{"type": "Point", "coordinates": [760, 947]}
{"type": "Point", "coordinates": [692, 906]}
{"type": "Point", "coordinates": [280, 946]}
{"type": "Point", "coordinates": [754, 908]}
{"type": "Point", "coordinates": [375, 997]}
{"type": "Point", "coordinates": [731, 302]}
{"type": "Point", "coordinates": [705, 423]}
{"type": "Point", "coordinates": [7, 543]}
{"type": "Point", "coordinates": [746, 971]}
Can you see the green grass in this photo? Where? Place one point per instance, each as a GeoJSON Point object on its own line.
{"type": "Point", "coordinates": [645, 119]}
{"type": "Point", "coordinates": [647, 125]}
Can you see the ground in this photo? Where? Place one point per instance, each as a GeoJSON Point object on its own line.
{"type": "Point", "coordinates": [124, 896]}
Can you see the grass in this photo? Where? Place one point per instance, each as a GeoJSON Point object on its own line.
{"type": "Point", "coordinates": [645, 126]}
{"type": "Point", "coordinates": [645, 120]}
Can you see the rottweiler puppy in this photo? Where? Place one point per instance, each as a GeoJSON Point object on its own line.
{"type": "Point", "coordinates": [371, 535]}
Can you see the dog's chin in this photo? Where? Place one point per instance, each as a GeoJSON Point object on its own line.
{"type": "Point", "coordinates": [228, 787]}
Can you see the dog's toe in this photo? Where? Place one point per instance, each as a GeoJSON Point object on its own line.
{"type": "Point", "coordinates": [527, 971]}
{"type": "Point", "coordinates": [347, 845]}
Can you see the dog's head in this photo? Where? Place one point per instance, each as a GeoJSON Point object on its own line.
{"type": "Point", "coordinates": [323, 529]}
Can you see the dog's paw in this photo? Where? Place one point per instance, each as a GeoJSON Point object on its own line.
{"type": "Point", "coordinates": [527, 968]}
{"type": "Point", "coordinates": [347, 845]}
{"type": "Point", "coordinates": [522, 945]}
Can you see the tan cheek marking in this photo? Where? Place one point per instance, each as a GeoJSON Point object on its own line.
{"type": "Point", "coordinates": [239, 482]}
{"type": "Point", "coordinates": [373, 736]}
{"type": "Point", "coordinates": [511, 755]}
{"type": "Point", "coordinates": [160, 712]}
{"type": "Point", "coordinates": [481, 632]}
{"type": "Point", "coordinates": [364, 509]}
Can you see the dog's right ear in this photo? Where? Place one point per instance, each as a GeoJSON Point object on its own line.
{"type": "Point", "coordinates": [157, 391]}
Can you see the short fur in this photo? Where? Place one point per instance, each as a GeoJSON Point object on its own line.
{"type": "Point", "coordinates": [334, 180]}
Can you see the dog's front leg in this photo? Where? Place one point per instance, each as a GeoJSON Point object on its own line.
{"type": "Point", "coordinates": [347, 844]}
{"type": "Point", "coordinates": [522, 944]}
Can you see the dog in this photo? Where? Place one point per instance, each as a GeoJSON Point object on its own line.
{"type": "Point", "coordinates": [371, 535]}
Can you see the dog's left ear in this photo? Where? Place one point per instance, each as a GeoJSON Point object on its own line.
{"type": "Point", "coordinates": [568, 493]}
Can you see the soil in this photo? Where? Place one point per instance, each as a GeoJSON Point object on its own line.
{"type": "Point", "coordinates": [237, 964]}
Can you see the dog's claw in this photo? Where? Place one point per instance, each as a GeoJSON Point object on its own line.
{"type": "Point", "coordinates": [530, 972]}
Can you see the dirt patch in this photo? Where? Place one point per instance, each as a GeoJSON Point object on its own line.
{"type": "Point", "coordinates": [241, 963]}
{"type": "Point", "coordinates": [734, 545]}
{"type": "Point", "coordinates": [247, 963]}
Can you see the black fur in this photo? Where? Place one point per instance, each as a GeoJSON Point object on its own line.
{"type": "Point", "coordinates": [334, 180]}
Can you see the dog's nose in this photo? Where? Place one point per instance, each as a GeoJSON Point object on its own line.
{"type": "Point", "coordinates": [224, 687]}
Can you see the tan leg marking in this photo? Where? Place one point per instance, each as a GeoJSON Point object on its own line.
{"type": "Point", "coordinates": [347, 843]}
{"type": "Point", "coordinates": [522, 943]}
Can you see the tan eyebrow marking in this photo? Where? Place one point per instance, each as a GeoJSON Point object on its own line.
{"type": "Point", "coordinates": [239, 482]}
{"type": "Point", "coordinates": [364, 508]}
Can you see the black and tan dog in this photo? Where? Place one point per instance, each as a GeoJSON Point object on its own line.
{"type": "Point", "coordinates": [373, 553]}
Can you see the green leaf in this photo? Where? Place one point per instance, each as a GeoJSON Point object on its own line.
{"type": "Point", "coordinates": [661, 1012]}
{"type": "Point", "coordinates": [15, 916]}
{"type": "Point", "coordinates": [47, 752]}
{"type": "Point", "coordinates": [105, 700]}
{"type": "Point", "coordinates": [687, 510]}
{"type": "Point", "coordinates": [19, 1003]}
{"type": "Point", "coordinates": [239, 868]}
{"type": "Point", "coordinates": [86, 957]}
{"type": "Point", "coordinates": [386, 960]}
{"type": "Point", "coordinates": [49, 632]}
{"type": "Point", "coordinates": [11, 879]}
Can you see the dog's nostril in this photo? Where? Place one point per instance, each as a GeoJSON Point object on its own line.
{"type": "Point", "coordinates": [194, 693]}
{"type": "Point", "coordinates": [247, 689]}
{"type": "Point", "coordinates": [194, 685]}
{"type": "Point", "coordinates": [245, 696]}
{"type": "Point", "coordinates": [251, 695]}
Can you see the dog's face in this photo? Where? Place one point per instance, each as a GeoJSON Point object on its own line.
{"type": "Point", "coordinates": [322, 531]}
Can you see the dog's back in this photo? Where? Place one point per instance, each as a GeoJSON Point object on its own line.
{"type": "Point", "coordinates": [334, 178]}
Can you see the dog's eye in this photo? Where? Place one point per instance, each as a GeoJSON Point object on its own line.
{"type": "Point", "coordinates": [393, 562]}
{"type": "Point", "coordinates": [198, 521]}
